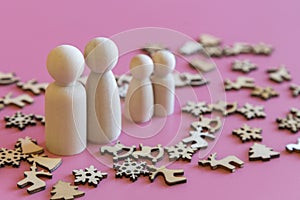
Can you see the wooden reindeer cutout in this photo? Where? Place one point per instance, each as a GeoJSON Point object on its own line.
{"type": "Point", "coordinates": [32, 177]}
{"type": "Point", "coordinates": [229, 162]}
{"type": "Point", "coordinates": [171, 176]}
{"type": "Point", "coordinates": [146, 152]}
{"type": "Point", "coordinates": [33, 86]}
{"type": "Point", "coordinates": [117, 149]}
{"type": "Point", "coordinates": [19, 101]}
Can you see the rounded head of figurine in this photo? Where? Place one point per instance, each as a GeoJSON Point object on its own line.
{"type": "Point", "coordinates": [164, 63]}
{"type": "Point", "coordinates": [101, 54]}
{"type": "Point", "coordinates": [141, 66]}
{"type": "Point", "coordinates": [65, 64]}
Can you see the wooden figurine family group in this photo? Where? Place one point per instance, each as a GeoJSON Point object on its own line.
{"type": "Point", "coordinates": [75, 113]}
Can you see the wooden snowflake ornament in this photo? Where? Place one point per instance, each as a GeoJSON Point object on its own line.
{"type": "Point", "coordinates": [250, 111]}
{"type": "Point", "coordinates": [20, 120]}
{"type": "Point", "coordinates": [197, 108]}
{"type": "Point", "coordinates": [264, 93]}
{"type": "Point", "coordinates": [180, 150]}
{"type": "Point", "coordinates": [32, 178]}
{"type": "Point", "coordinates": [64, 190]}
{"type": "Point", "coordinates": [244, 66]}
{"type": "Point", "coordinates": [89, 175]}
{"type": "Point", "coordinates": [228, 163]}
{"type": "Point", "coordinates": [11, 157]}
{"type": "Point", "coordinates": [171, 176]}
{"type": "Point", "coordinates": [261, 152]}
{"type": "Point", "coordinates": [246, 133]}
{"type": "Point", "coordinates": [290, 122]}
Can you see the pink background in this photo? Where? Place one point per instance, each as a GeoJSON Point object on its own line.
{"type": "Point", "coordinates": [30, 29]}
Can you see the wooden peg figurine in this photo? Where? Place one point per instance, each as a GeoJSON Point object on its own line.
{"type": "Point", "coordinates": [104, 105]}
{"type": "Point", "coordinates": [139, 99]}
{"type": "Point", "coordinates": [65, 102]}
{"type": "Point", "coordinates": [163, 83]}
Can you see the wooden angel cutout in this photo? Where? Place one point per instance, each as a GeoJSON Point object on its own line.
{"type": "Point", "coordinates": [32, 178]}
{"type": "Point", "coordinates": [19, 101]}
{"type": "Point", "coordinates": [229, 162]}
{"type": "Point", "coordinates": [64, 190]}
{"type": "Point", "coordinates": [119, 151]}
{"type": "Point", "coordinates": [28, 145]}
{"type": "Point", "coordinates": [171, 176]}
{"type": "Point", "coordinates": [147, 152]}
{"type": "Point", "coordinates": [50, 164]}
{"type": "Point", "coordinates": [33, 86]}
{"type": "Point", "coordinates": [8, 78]}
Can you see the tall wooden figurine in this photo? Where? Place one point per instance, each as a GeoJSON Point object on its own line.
{"type": "Point", "coordinates": [139, 99]}
{"type": "Point", "coordinates": [163, 83]}
{"type": "Point", "coordinates": [65, 102]}
{"type": "Point", "coordinates": [103, 101]}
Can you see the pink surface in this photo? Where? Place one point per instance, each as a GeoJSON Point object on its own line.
{"type": "Point", "coordinates": [30, 29]}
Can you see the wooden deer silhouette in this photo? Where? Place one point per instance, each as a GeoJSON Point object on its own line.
{"type": "Point", "coordinates": [18, 101]}
{"type": "Point", "coordinates": [146, 152]}
{"type": "Point", "coordinates": [117, 149]}
{"type": "Point", "coordinates": [171, 176]}
{"type": "Point", "coordinates": [229, 162]}
{"type": "Point", "coordinates": [32, 177]}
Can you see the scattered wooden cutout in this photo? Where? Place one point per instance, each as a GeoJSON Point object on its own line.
{"type": "Point", "coordinates": [11, 157]}
{"type": "Point", "coordinates": [225, 108]}
{"type": "Point", "coordinates": [293, 147]}
{"type": "Point", "coordinates": [264, 93]}
{"type": "Point", "coordinates": [32, 178]}
{"type": "Point", "coordinates": [261, 152]}
{"type": "Point", "coordinates": [20, 121]}
{"type": "Point", "coordinates": [291, 122]}
{"type": "Point", "coordinates": [244, 66]}
{"type": "Point", "coordinates": [197, 138]}
{"type": "Point", "coordinates": [279, 74]}
{"type": "Point", "coordinates": [201, 65]}
{"type": "Point", "coordinates": [153, 47]}
{"type": "Point", "coordinates": [209, 40]}
{"type": "Point", "coordinates": [117, 151]}
{"type": "Point", "coordinates": [211, 125]}
{"type": "Point", "coordinates": [295, 89]}
{"type": "Point", "coordinates": [197, 108]}
{"type": "Point", "coordinates": [241, 82]}
{"type": "Point", "coordinates": [262, 49]}
{"type": "Point", "coordinates": [19, 101]}
{"type": "Point", "coordinates": [90, 175]}
{"type": "Point", "coordinates": [187, 79]}
{"type": "Point", "coordinates": [171, 176]}
{"type": "Point", "coordinates": [131, 169]}
{"type": "Point", "coordinates": [8, 78]}
{"type": "Point", "coordinates": [33, 86]}
{"type": "Point", "coordinates": [228, 163]}
{"type": "Point", "coordinates": [180, 150]}
{"type": "Point", "coordinates": [40, 118]}
{"type": "Point", "coordinates": [147, 152]}
{"type": "Point", "coordinates": [246, 133]}
{"type": "Point", "coordinates": [28, 145]}
{"type": "Point", "coordinates": [190, 47]}
{"type": "Point", "coordinates": [214, 51]}
{"type": "Point", "coordinates": [50, 164]}
{"type": "Point", "coordinates": [64, 190]}
{"type": "Point", "coordinates": [250, 111]}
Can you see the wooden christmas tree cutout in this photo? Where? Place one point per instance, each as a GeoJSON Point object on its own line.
{"type": "Point", "coordinates": [28, 145]}
{"type": "Point", "coordinates": [90, 175]}
{"type": "Point", "coordinates": [50, 164]}
{"type": "Point", "coordinates": [293, 147]}
{"type": "Point", "coordinates": [8, 78]}
{"type": "Point", "coordinates": [33, 86]}
{"type": "Point", "coordinates": [32, 178]}
{"type": "Point", "coordinates": [19, 101]}
{"type": "Point", "coordinates": [171, 176]}
{"type": "Point", "coordinates": [228, 163]}
{"type": "Point", "coordinates": [261, 152]}
{"type": "Point", "coordinates": [147, 152]}
{"type": "Point", "coordinates": [64, 190]}
{"type": "Point", "coordinates": [118, 151]}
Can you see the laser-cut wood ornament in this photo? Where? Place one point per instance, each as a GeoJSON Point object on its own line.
{"type": "Point", "coordinates": [64, 190]}
{"type": "Point", "coordinates": [147, 153]}
{"type": "Point", "coordinates": [131, 169]}
{"type": "Point", "coordinates": [190, 47]}
{"type": "Point", "coordinates": [214, 51]}
{"type": "Point", "coordinates": [250, 111]}
{"type": "Point", "coordinates": [295, 90]}
{"type": "Point", "coordinates": [11, 157]}
{"type": "Point", "coordinates": [180, 150]}
{"type": "Point", "coordinates": [20, 120]}
{"type": "Point", "coordinates": [229, 163]}
{"type": "Point", "coordinates": [188, 79]}
{"type": "Point", "coordinates": [118, 151]}
{"type": "Point", "coordinates": [241, 82]}
{"type": "Point", "coordinates": [40, 118]}
{"type": "Point", "coordinates": [279, 74]}
{"type": "Point", "coordinates": [211, 125]}
{"type": "Point", "coordinates": [19, 101]}
{"type": "Point", "coordinates": [290, 122]}
{"type": "Point", "coordinates": [201, 65]}
{"type": "Point", "coordinates": [50, 164]}
{"type": "Point", "coordinates": [90, 175]}
{"type": "Point", "coordinates": [244, 66]}
{"type": "Point", "coordinates": [197, 138]}
{"type": "Point", "coordinates": [171, 176]}
{"type": "Point", "coordinates": [225, 108]}
{"type": "Point", "coordinates": [262, 49]}
{"type": "Point", "coordinates": [33, 86]}
{"type": "Point", "coordinates": [264, 93]}
{"type": "Point", "coordinates": [28, 145]}
{"type": "Point", "coordinates": [262, 152]}
{"type": "Point", "coordinates": [209, 40]}
{"type": "Point", "coordinates": [197, 108]}
{"type": "Point", "coordinates": [246, 133]}
{"type": "Point", "coordinates": [153, 47]}
{"type": "Point", "coordinates": [32, 178]}
{"type": "Point", "coordinates": [293, 147]}
{"type": "Point", "coordinates": [8, 78]}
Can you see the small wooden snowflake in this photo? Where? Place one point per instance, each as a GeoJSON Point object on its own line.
{"type": "Point", "coordinates": [291, 122]}
{"type": "Point", "coordinates": [197, 108]}
{"type": "Point", "coordinates": [90, 175]}
{"type": "Point", "coordinates": [180, 150]}
{"type": "Point", "coordinates": [20, 120]}
{"type": "Point", "coordinates": [264, 93]}
{"type": "Point", "coordinates": [246, 133]}
{"type": "Point", "coordinates": [244, 66]}
{"type": "Point", "coordinates": [11, 157]}
{"type": "Point", "coordinates": [250, 111]}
